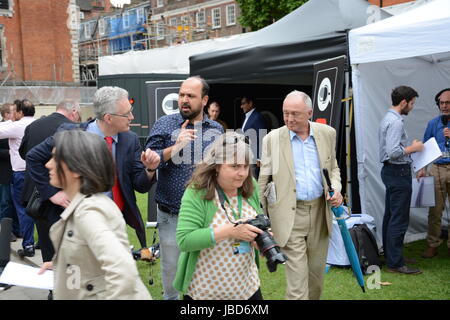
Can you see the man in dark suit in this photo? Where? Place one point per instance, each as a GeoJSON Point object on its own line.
{"type": "Point", "coordinates": [135, 168]}
{"type": "Point", "coordinates": [254, 127]}
{"type": "Point", "coordinates": [67, 111]}
{"type": "Point", "coordinates": [7, 209]}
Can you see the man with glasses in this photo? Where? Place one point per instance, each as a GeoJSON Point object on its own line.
{"type": "Point", "coordinates": [135, 168]}
{"type": "Point", "coordinates": [440, 169]}
{"type": "Point", "coordinates": [180, 139]}
{"type": "Point", "coordinates": [293, 157]}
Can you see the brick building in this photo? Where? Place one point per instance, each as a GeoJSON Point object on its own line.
{"type": "Point", "coordinates": [39, 44]}
{"type": "Point", "coordinates": [176, 21]}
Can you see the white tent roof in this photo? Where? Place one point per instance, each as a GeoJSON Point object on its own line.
{"type": "Point", "coordinates": [421, 31]}
{"type": "Point", "coordinates": [172, 60]}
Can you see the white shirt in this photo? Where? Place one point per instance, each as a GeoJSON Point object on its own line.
{"type": "Point", "coordinates": [14, 131]}
{"type": "Point", "coordinates": [247, 115]}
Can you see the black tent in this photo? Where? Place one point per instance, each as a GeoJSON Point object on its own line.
{"type": "Point", "coordinates": [284, 52]}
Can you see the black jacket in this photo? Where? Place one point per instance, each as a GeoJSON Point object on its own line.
{"type": "Point", "coordinates": [35, 133]}
{"type": "Point", "coordinates": [131, 173]}
{"type": "Point", "coordinates": [5, 162]}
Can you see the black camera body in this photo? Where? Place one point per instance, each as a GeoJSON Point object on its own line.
{"type": "Point", "coordinates": [266, 243]}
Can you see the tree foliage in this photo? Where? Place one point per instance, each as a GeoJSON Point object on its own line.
{"type": "Point", "coordinates": [257, 14]}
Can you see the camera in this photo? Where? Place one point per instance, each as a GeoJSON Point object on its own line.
{"type": "Point", "coordinates": [266, 243]}
{"type": "Point", "coordinates": [147, 254]}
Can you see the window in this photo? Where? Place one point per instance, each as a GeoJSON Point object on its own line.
{"type": "Point", "coordinates": [173, 22]}
{"type": "Point", "coordinates": [160, 3]}
{"type": "Point", "coordinates": [87, 30]}
{"type": "Point", "coordinates": [2, 49]}
{"type": "Point", "coordinates": [231, 15]}
{"type": "Point", "coordinates": [215, 16]}
{"type": "Point", "coordinates": [81, 15]}
{"type": "Point", "coordinates": [160, 30]}
{"type": "Point", "coordinates": [126, 20]}
{"type": "Point", "coordinates": [140, 16]}
{"type": "Point", "coordinates": [6, 8]}
{"type": "Point", "coordinates": [102, 26]}
{"type": "Point", "coordinates": [201, 19]}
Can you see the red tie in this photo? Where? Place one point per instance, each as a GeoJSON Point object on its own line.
{"type": "Point", "coordinates": [117, 194]}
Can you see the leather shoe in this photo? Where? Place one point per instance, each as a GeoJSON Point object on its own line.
{"type": "Point", "coordinates": [405, 270]}
{"type": "Point", "coordinates": [430, 252]}
{"type": "Point", "coordinates": [28, 251]}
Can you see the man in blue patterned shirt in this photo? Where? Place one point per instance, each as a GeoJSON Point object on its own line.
{"type": "Point", "coordinates": [396, 176]}
{"type": "Point", "coordinates": [180, 140]}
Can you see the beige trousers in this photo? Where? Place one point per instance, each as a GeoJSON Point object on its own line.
{"type": "Point", "coordinates": [441, 175]}
{"type": "Point", "coordinates": [306, 250]}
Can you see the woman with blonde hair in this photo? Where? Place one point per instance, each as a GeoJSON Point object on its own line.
{"type": "Point", "coordinates": [217, 261]}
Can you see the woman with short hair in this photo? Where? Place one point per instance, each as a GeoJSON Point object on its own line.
{"type": "Point", "coordinates": [217, 261]}
{"type": "Point", "coordinates": [92, 257]}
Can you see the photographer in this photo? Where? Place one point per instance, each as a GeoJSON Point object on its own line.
{"type": "Point", "coordinates": [217, 261]}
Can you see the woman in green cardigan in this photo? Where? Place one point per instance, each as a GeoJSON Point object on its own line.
{"type": "Point", "coordinates": [217, 260]}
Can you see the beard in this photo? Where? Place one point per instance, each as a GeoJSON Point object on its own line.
{"type": "Point", "coordinates": [189, 114]}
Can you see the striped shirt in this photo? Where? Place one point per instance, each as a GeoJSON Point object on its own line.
{"type": "Point", "coordinates": [393, 139]}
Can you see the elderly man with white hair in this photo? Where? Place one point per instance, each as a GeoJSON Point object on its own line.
{"type": "Point", "coordinates": [135, 169]}
{"type": "Point", "coordinates": [293, 158]}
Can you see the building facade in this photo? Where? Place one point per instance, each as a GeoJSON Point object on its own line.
{"type": "Point", "coordinates": [38, 43]}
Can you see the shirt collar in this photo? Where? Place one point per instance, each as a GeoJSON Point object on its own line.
{"type": "Point", "coordinates": [206, 119]}
{"type": "Point", "coordinates": [292, 134]}
{"type": "Point", "coordinates": [94, 128]}
{"type": "Point", "coordinates": [248, 114]}
{"type": "Point", "coordinates": [396, 114]}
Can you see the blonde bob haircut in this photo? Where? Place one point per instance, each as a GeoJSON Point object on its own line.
{"type": "Point", "coordinates": [229, 148]}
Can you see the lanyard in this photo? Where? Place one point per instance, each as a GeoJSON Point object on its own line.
{"type": "Point", "coordinates": [238, 215]}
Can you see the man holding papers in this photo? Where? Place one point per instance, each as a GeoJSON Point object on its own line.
{"type": "Point", "coordinates": [440, 169]}
{"type": "Point", "coordinates": [396, 176]}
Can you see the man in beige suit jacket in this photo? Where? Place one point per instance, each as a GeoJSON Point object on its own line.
{"type": "Point", "coordinates": [293, 158]}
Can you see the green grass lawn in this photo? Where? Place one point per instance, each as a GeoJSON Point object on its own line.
{"type": "Point", "coordinates": [432, 284]}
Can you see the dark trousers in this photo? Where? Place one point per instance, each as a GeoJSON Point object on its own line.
{"type": "Point", "coordinates": [7, 209]}
{"type": "Point", "coordinates": [50, 213]}
{"type": "Point", "coordinates": [397, 179]}
{"type": "Point", "coordinates": [25, 221]}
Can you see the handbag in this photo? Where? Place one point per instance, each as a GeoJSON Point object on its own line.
{"type": "Point", "coordinates": [34, 204]}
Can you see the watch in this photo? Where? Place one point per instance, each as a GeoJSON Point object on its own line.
{"type": "Point", "coordinates": [150, 170]}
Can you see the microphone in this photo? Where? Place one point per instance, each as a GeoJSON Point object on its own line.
{"type": "Point", "coordinates": [444, 120]}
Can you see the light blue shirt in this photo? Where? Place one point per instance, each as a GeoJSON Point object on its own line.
{"type": "Point", "coordinates": [393, 139]}
{"type": "Point", "coordinates": [94, 128]}
{"type": "Point", "coordinates": [308, 177]}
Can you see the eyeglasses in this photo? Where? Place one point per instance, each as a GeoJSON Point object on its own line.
{"type": "Point", "coordinates": [293, 114]}
{"type": "Point", "coordinates": [235, 138]}
{"type": "Point", "coordinates": [125, 115]}
{"type": "Point", "coordinates": [447, 103]}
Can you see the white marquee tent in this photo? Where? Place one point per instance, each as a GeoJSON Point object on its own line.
{"type": "Point", "coordinates": [412, 49]}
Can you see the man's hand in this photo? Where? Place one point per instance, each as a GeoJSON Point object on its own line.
{"type": "Point", "coordinates": [335, 200]}
{"type": "Point", "coordinates": [415, 146]}
{"type": "Point", "coordinates": [150, 159]}
{"type": "Point", "coordinates": [422, 173]}
{"type": "Point", "coordinates": [46, 266]}
{"type": "Point", "coordinates": [185, 136]}
{"type": "Point", "coordinates": [447, 132]}
{"type": "Point", "coordinates": [60, 199]}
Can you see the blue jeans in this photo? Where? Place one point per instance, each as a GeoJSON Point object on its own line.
{"type": "Point", "coordinates": [397, 179]}
{"type": "Point", "coordinates": [7, 209]}
{"type": "Point", "coordinates": [25, 221]}
{"type": "Point", "coordinates": [167, 227]}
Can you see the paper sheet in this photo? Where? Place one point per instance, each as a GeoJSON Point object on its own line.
{"type": "Point", "coordinates": [429, 153]}
{"type": "Point", "coordinates": [423, 195]}
{"type": "Point", "coordinates": [25, 276]}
